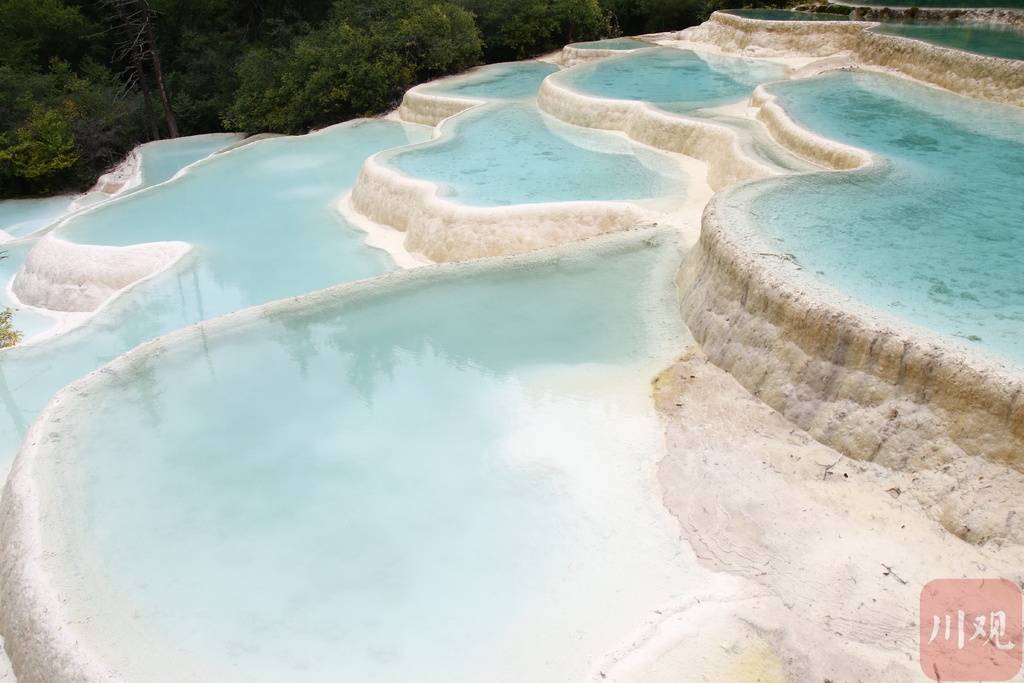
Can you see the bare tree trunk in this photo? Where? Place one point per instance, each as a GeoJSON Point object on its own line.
{"type": "Point", "coordinates": [147, 100]}
{"type": "Point", "coordinates": [154, 54]}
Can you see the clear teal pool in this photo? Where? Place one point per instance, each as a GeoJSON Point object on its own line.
{"type": "Point", "coordinates": [409, 485]}
{"type": "Point", "coordinates": [264, 226]}
{"type": "Point", "coordinates": [612, 44]}
{"type": "Point", "coordinates": [786, 15]}
{"type": "Point", "coordinates": [1014, 4]}
{"type": "Point", "coordinates": [21, 217]}
{"type": "Point", "coordinates": [514, 154]}
{"type": "Point", "coordinates": [162, 159]}
{"type": "Point", "coordinates": [512, 81]}
{"type": "Point", "coordinates": [675, 80]}
{"type": "Point", "coordinates": [982, 39]}
{"type": "Point", "coordinates": [933, 232]}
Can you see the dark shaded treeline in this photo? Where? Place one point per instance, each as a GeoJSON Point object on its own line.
{"type": "Point", "coordinates": [84, 81]}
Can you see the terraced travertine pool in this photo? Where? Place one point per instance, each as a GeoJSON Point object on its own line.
{"type": "Point", "coordinates": [277, 234]}
{"type": "Point", "coordinates": [678, 81]}
{"type": "Point", "coordinates": [992, 40]}
{"type": "Point", "coordinates": [473, 470]}
{"type": "Point", "coordinates": [510, 81]}
{"type": "Point", "coordinates": [430, 474]}
{"type": "Point", "coordinates": [786, 15]}
{"type": "Point", "coordinates": [162, 160]}
{"type": "Point", "coordinates": [19, 218]}
{"type": "Point", "coordinates": [612, 44]}
{"type": "Point", "coordinates": [553, 161]}
{"type": "Point", "coordinates": [952, 4]}
{"type": "Point", "coordinates": [931, 232]}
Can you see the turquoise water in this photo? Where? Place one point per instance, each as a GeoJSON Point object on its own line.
{"type": "Point", "coordinates": [513, 154]}
{"type": "Point", "coordinates": [513, 81]}
{"type": "Point", "coordinates": [1017, 4]}
{"type": "Point", "coordinates": [987, 39]}
{"type": "Point", "coordinates": [25, 320]}
{"type": "Point", "coordinates": [933, 234]}
{"type": "Point", "coordinates": [675, 80]}
{"type": "Point", "coordinates": [20, 217]}
{"type": "Point", "coordinates": [162, 159]}
{"type": "Point", "coordinates": [263, 222]}
{"type": "Point", "coordinates": [786, 15]}
{"type": "Point", "coordinates": [429, 484]}
{"type": "Point", "coordinates": [612, 44]}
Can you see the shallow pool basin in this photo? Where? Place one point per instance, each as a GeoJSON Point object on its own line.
{"type": "Point", "coordinates": [679, 81]}
{"type": "Point", "coordinates": [514, 154]}
{"type": "Point", "coordinates": [930, 232]}
{"type": "Point", "coordinates": [511, 81]}
{"type": "Point", "coordinates": [991, 40]}
{"type": "Point", "coordinates": [408, 482]}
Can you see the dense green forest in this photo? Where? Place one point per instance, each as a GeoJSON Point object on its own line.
{"type": "Point", "coordinates": [84, 81]}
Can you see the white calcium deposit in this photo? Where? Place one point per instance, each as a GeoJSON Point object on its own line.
{"type": "Point", "coordinates": [444, 230]}
{"type": "Point", "coordinates": [65, 276]}
{"type": "Point", "coordinates": [714, 144]}
{"type": "Point", "coordinates": [965, 73]}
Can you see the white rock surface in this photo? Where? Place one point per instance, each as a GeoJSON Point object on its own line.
{"type": "Point", "coordinates": [832, 552]}
{"type": "Point", "coordinates": [965, 73]}
{"type": "Point", "coordinates": [64, 276]}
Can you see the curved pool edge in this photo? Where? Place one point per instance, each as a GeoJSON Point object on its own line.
{"type": "Point", "coordinates": [67, 277]}
{"type": "Point", "coordinates": [802, 142]}
{"type": "Point", "coordinates": [572, 55]}
{"type": "Point", "coordinates": [66, 322]}
{"type": "Point", "coordinates": [421, 106]}
{"type": "Point", "coordinates": [444, 230]}
{"type": "Point", "coordinates": [869, 385]}
{"type": "Point", "coordinates": [642, 122]}
{"type": "Point", "coordinates": [979, 76]}
{"type": "Point", "coordinates": [39, 638]}
{"type": "Point", "coordinates": [1005, 16]}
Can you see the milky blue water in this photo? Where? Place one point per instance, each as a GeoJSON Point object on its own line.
{"type": "Point", "coordinates": [786, 15]}
{"type": "Point", "coordinates": [512, 81]}
{"type": "Point", "coordinates": [23, 217]}
{"type": "Point", "coordinates": [514, 154]}
{"type": "Point", "coordinates": [263, 222]}
{"type": "Point", "coordinates": [162, 159]}
{"type": "Point", "coordinates": [612, 44]}
{"type": "Point", "coordinates": [982, 39]}
{"type": "Point", "coordinates": [20, 217]}
{"type": "Point", "coordinates": [1016, 4]}
{"type": "Point", "coordinates": [430, 484]}
{"type": "Point", "coordinates": [675, 80]}
{"type": "Point", "coordinates": [932, 234]}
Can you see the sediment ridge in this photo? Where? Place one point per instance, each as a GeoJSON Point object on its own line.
{"type": "Point", "coordinates": [864, 384]}
{"type": "Point", "coordinates": [979, 76]}
{"type": "Point", "coordinates": [714, 144]}
{"type": "Point", "coordinates": [443, 230]}
{"type": "Point", "coordinates": [65, 276]}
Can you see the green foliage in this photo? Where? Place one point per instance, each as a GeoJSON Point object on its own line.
{"type": "Point", "coordinates": [514, 30]}
{"type": "Point", "coordinates": [41, 150]}
{"type": "Point", "coordinates": [32, 32]}
{"type": "Point", "coordinates": [669, 15]}
{"type": "Point", "coordinates": [60, 129]}
{"type": "Point", "coordinates": [8, 335]}
{"type": "Point", "coordinates": [342, 70]}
